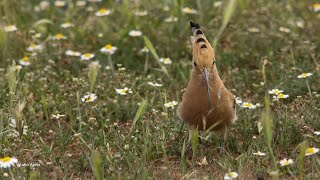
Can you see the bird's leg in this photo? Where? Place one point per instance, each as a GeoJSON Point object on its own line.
{"type": "Point", "coordinates": [192, 142]}
{"type": "Point", "coordinates": [225, 136]}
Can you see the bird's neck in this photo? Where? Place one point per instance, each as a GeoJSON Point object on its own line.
{"type": "Point", "coordinates": [214, 77]}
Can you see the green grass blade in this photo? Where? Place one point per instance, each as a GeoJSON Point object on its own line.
{"type": "Point", "coordinates": [226, 18]}
{"type": "Point", "coordinates": [303, 148]}
{"type": "Point", "coordinates": [155, 55]}
{"type": "Point", "coordinates": [97, 165]}
{"type": "Point", "coordinates": [139, 113]}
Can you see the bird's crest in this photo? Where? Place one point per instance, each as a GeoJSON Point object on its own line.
{"type": "Point", "coordinates": [203, 52]}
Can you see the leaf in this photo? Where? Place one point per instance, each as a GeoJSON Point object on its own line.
{"type": "Point", "coordinates": [97, 165]}
{"type": "Point", "coordinates": [41, 22]}
{"type": "Point", "coordinates": [267, 122]}
{"type": "Point", "coordinates": [139, 113]}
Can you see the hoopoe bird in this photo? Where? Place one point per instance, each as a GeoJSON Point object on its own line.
{"type": "Point", "coordinates": [206, 104]}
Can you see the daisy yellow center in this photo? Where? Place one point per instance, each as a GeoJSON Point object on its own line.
{"type": "Point", "coordinates": [316, 6]}
{"type": "Point", "coordinates": [310, 150]}
{"type": "Point", "coordinates": [6, 159]}
{"type": "Point", "coordinates": [108, 46]}
{"type": "Point", "coordinates": [32, 45]}
{"type": "Point", "coordinates": [103, 10]}
{"type": "Point", "coordinates": [87, 55]}
{"type": "Point", "coordinates": [88, 98]}
{"type": "Point", "coordinates": [123, 91]}
{"type": "Point", "coordinates": [281, 95]}
{"type": "Point", "coordinates": [59, 36]}
{"type": "Point", "coordinates": [25, 59]}
{"type": "Point", "coordinates": [286, 163]}
{"type": "Point", "coordinates": [67, 23]}
{"type": "Point", "coordinates": [10, 27]}
{"type": "Point", "coordinates": [247, 105]}
{"type": "Point", "coordinates": [231, 174]}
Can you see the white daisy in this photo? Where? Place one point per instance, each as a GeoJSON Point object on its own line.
{"type": "Point", "coordinates": [141, 13]}
{"type": "Point", "coordinates": [89, 98]}
{"type": "Point", "coordinates": [285, 162]}
{"type": "Point", "coordinates": [311, 151]}
{"type": "Point", "coordinates": [253, 30]}
{"type": "Point", "coordinates": [316, 133]}
{"type": "Point", "coordinates": [165, 60]}
{"type": "Point", "coordinates": [188, 10]}
{"type": "Point", "coordinates": [284, 29]}
{"type": "Point", "coordinates": [230, 175]}
{"type": "Point", "coordinates": [275, 91]}
{"type": "Point", "coordinates": [144, 50]}
{"type": "Point", "coordinates": [59, 36]}
{"type": "Point", "coordinates": [67, 25]}
{"type": "Point", "coordinates": [170, 104]}
{"type": "Point", "coordinates": [259, 153]}
{"type": "Point", "coordinates": [304, 75]}
{"type": "Point", "coordinates": [18, 67]}
{"type": "Point", "coordinates": [72, 53]}
{"type": "Point", "coordinates": [171, 19]}
{"type": "Point", "coordinates": [94, 64]}
{"type": "Point", "coordinates": [7, 162]}
{"type": "Point", "coordinates": [108, 49]}
{"type": "Point", "coordinates": [103, 12]}
{"type": "Point", "coordinates": [238, 101]}
{"type": "Point", "coordinates": [217, 3]}
{"type": "Point", "coordinates": [10, 28]}
{"type": "Point", "coordinates": [124, 91]}
{"type": "Point", "coordinates": [34, 47]}
{"type": "Point", "coordinates": [248, 105]}
{"type": "Point", "coordinates": [59, 3]}
{"type": "Point", "coordinates": [57, 116]}
{"type": "Point", "coordinates": [135, 33]}
{"type": "Point", "coordinates": [81, 3]}
{"type": "Point", "coordinates": [316, 7]}
{"type": "Point", "coordinates": [25, 61]}
{"type": "Point", "coordinates": [154, 84]}
{"type": "Point", "coordinates": [281, 96]}
{"type": "Point", "coordinates": [86, 56]}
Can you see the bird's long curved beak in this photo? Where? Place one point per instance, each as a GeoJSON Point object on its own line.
{"type": "Point", "coordinates": [206, 77]}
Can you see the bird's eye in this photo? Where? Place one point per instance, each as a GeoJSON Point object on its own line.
{"type": "Point", "coordinates": [195, 64]}
{"type": "Point", "coordinates": [213, 62]}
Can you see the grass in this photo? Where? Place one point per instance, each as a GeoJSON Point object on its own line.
{"type": "Point", "coordinates": [134, 136]}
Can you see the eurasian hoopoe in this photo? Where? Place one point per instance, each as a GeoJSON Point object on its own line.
{"type": "Point", "coordinates": [206, 103]}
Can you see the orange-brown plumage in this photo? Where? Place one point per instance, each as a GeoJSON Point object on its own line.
{"type": "Point", "coordinates": [206, 103]}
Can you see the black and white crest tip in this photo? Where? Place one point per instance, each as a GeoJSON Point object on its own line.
{"type": "Point", "coordinates": [194, 25]}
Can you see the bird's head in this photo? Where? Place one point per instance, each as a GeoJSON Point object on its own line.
{"type": "Point", "coordinates": [203, 55]}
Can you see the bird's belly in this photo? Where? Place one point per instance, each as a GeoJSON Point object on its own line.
{"type": "Point", "coordinates": [195, 111]}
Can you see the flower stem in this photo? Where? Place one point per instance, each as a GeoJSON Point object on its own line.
{"type": "Point", "coordinates": [308, 88]}
{"type": "Point", "coordinates": [146, 63]}
{"type": "Point", "coordinates": [79, 111]}
{"type": "Point", "coordinates": [110, 63]}
{"type": "Point", "coordinates": [11, 174]}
